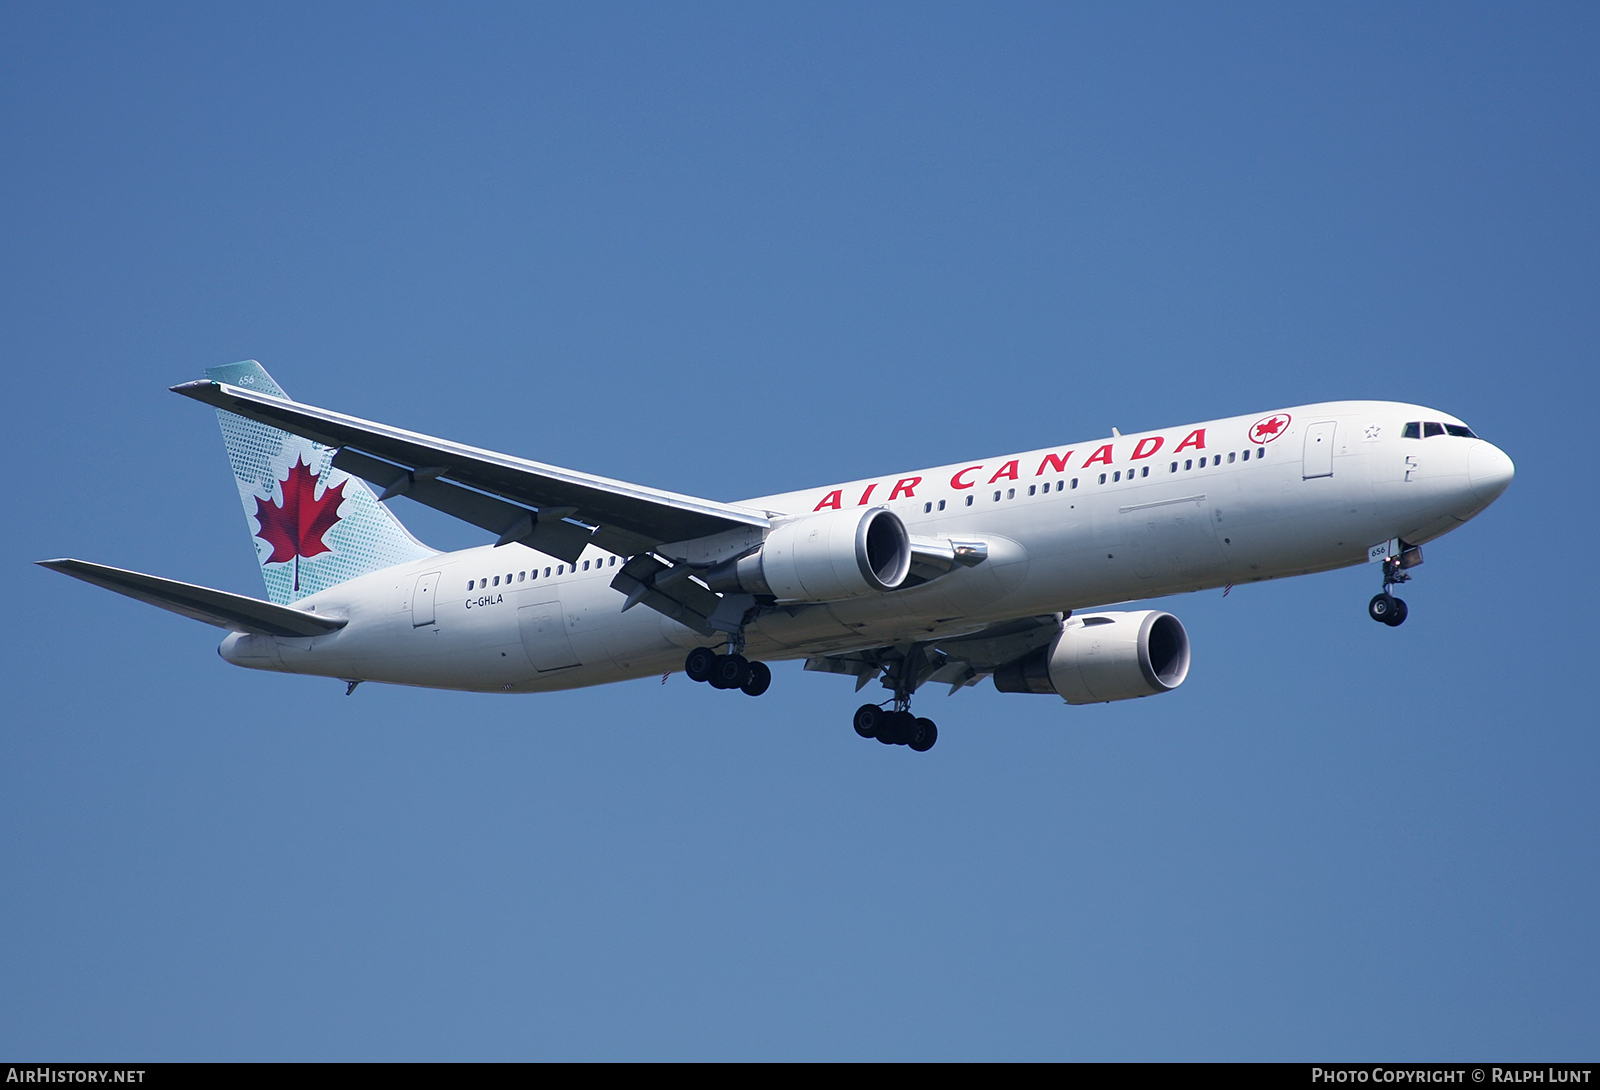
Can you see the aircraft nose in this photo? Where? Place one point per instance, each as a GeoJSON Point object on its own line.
{"type": "Point", "coordinates": [1490, 471]}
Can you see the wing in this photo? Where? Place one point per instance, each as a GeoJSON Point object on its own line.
{"type": "Point", "coordinates": [958, 661]}
{"type": "Point", "coordinates": [218, 607]}
{"type": "Point", "coordinates": [554, 510]}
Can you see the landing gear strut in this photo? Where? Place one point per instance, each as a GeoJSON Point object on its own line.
{"type": "Point", "coordinates": [730, 671]}
{"type": "Point", "coordinates": [1385, 607]}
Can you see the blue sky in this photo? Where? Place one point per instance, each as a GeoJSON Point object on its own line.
{"type": "Point", "coordinates": [731, 251]}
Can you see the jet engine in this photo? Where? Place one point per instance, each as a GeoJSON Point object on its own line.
{"type": "Point", "coordinates": [1102, 657]}
{"type": "Point", "coordinates": [823, 558]}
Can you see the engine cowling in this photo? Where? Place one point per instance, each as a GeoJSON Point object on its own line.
{"type": "Point", "coordinates": [1102, 657]}
{"type": "Point", "coordinates": [823, 558]}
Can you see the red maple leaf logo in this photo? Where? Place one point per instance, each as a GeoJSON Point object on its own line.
{"type": "Point", "coordinates": [295, 527]}
{"type": "Point", "coordinates": [1266, 430]}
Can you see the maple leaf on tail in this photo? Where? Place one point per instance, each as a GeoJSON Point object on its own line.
{"type": "Point", "coordinates": [294, 528]}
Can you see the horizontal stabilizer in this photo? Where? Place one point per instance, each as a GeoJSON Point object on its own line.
{"type": "Point", "coordinates": [218, 607]}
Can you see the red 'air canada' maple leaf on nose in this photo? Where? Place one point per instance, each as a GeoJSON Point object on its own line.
{"type": "Point", "coordinates": [295, 527]}
{"type": "Point", "coordinates": [1268, 428]}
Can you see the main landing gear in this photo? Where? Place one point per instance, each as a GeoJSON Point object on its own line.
{"type": "Point", "coordinates": [731, 671]}
{"type": "Point", "coordinates": [1385, 607]}
{"type": "Point", "coordinates": [896, 726]}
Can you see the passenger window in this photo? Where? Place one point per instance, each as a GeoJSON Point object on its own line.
{"type": "Point", "coordinates": [1145, 472]}
{"type": "Point", "coordinates": [469, 584]}
{"type": "Point", "coordinates": [497, 580]}
{"type": "Point", "coordinates": [1430, 429]}
{"type": "Point", "coordinates": [1032, 488]}
{"type": "Point", "coordinates": [1117, 476]}
{"type": "Point", "coordinates": [1247, 455]}
{"type": "Point", "coordinates": [1231, 457]}
{"type": "Point", "coordinates": [585, 565]}
{"type": "Point", "coordinates": [1460, 431]}
{"type": "Point", "coordinates": [1074, 482]}
{"type": "Point", "coordinates": [547, 573]}
{"type": "Point", "coordinates": [941, 505]}
{"type": "Point", "coordinates": [1412, 430]}
{"type": "Point", "coordinates": [534, 574]}
{"type": "Point", "coordinates": [1261, 452]}
{"type": "Point", "coordinates": [1060, 485]}
{"type": "Point", "coordinates": [927, 508]}
{"type": "Point", "coordinates": [1102, 478]}
{"type": "Point", "coordinates": [560, 568]}
{"type": "Point", "coordinates": [969, 501]}
{"type": "Point", "coordinates": [1188, 463]}
{"type": "Point", "coordinates": [1011, 493]}
{"type": "Point", "coordinates": [1174, 467]}
{"type": "Point", "coordinates": [508, 579]}
{"type": "Point", "coordinates": [997, 497]}
{"type": "Point", "coordinates": [613, 562]}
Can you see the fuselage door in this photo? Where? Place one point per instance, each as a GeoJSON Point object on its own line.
{"type": "Point", "coordinates": [544, 636]}
{"type": "Point", "coordinates": [422, 600]}
{"type": "Point", "coordinates": [1319, 450]}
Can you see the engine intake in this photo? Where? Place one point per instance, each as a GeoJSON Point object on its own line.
{"type": "Point", "coordinates": [1103, 657]}
{"type": "Point", "coordinates": [823, 558]}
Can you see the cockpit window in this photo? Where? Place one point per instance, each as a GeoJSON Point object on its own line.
{"type": "Point", "coordinates": [1419, 430]}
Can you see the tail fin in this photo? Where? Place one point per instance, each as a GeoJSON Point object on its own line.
{"type": "Point", "coordinates": [314, 526]}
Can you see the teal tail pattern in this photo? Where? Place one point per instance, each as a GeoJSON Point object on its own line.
{"type": "Point", "coordinates": [313, 526]}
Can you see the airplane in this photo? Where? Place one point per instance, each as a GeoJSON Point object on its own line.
{"type": "Point", "coordinates": [996, 568]}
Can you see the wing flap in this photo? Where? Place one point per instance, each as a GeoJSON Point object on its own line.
{"type": "Point", "coordinates": [217, 607]}
{"type": "Point", "coordinates": [668, 590]}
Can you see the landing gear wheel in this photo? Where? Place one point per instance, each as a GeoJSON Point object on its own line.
{"type": "Point", "coordinates": [1382, 607]}
{"type": "Point", "coordinates": [699, 664]}
{"type": "Point", "coordinates": [924, 734]}
{"type": "Point", "coordinates": [1397, 613]}
{"type": "Point", "coordinates": [869, 720]}
{"type": "Point", "coordinates": [899, 730]}
{"type": "Point", "coordinates": [730, 672]}
{"type": "Point", "coordinates": [760, 678]}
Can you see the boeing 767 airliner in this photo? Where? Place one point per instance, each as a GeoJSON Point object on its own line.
{"type": "Point", "coordinates": [989, 568]}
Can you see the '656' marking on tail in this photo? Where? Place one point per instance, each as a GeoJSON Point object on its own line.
{"type": "Point", "coordinates": [295, 527]}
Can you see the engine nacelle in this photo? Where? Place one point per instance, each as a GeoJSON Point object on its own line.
{"type": "Point", "coordinates": [823, 558]}
{"type": "Point", "coordinates": [1104, 656]}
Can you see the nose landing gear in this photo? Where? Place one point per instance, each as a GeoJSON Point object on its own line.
{"type": "Point", "coordinates": [730, 671]}
{"type": "Point", "coordinates": [1385, 607]}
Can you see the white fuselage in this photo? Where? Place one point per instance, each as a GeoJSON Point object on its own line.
{"type": "Point", "coordinates": [1067, 528]}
